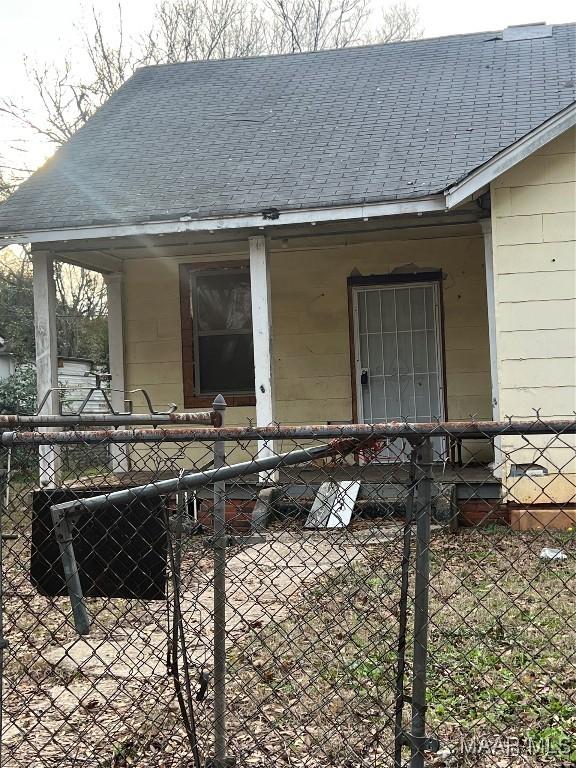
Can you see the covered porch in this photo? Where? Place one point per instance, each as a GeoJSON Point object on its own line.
{"type": "Point", "coordinates": [291, 324]}
{"type": "Point", "coordinates": [349, 321]}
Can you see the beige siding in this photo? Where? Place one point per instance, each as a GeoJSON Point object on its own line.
{"type": "Point", "coordinates": [311, 327]}
{"type": "Point", "coordinates": [534, 233]}
{"type": "Point", "coordinates": [152, 335]}
{"type": "Point", "coordinates": [310, 322]}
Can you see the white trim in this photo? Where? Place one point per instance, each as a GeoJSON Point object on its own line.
{"type": "Point", "coordinates": [114, 293]}
{"type": "Point", "coordinates": [431, 204]}
{"type": "Point", "coordinates": [44, 290]}
{"type": "Point", "coordinates": [262, 336]}
{"type": "Point", "coordinates": [114, 300]}
{"type": "Point", "coordinates": [359, 415]}
{"type": "Point", "coordinates": [486, 225]}
{"type": "Point", "coordinates": [511, 156]}
{"type": "Point", "coordinates": [261, 330]}
{"type": "Point", "coordinates": [106, 263]}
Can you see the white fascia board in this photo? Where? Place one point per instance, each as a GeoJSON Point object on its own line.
{"type": "Point", "coordinates": [432, 204]}
{"type": "Point", "coordinates": [512, 155]}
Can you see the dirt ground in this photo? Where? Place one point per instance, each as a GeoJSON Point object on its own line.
{"type": "Point", "coordinates": [312, 647]}
{"type": "Point", "coordinates": [66, 695]}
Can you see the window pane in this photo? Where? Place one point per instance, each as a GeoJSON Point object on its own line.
{"type": "Point", "coordinates": [392, 390]}
{"type": "Point", "coordinates": [373, 311]}
{"type": "Point", "coordinates": [377, 399]}
{"type": "Point", "coordinates": [420, 349]}
{"type": "Point", "coordinates": [362, 311]}
{"type": "Point", "coordinates": [403, 319]}
{"type": "Point", "coordinates": [223, 302]}
{"type": "Point", "coordinates": [418, 308]}
{"type": "Point", "coordinates": [388, 311]}
{"type": "Point", "coordinates": [226, 363]}
{"type": "Point", "coordinates": [407, 398]}
{"type": "Point", "coordinates": [389, 341]}
{"type": "Point", "coordinates": [375, 354]}
{"type": "Point", "coordinates": [405, 360]}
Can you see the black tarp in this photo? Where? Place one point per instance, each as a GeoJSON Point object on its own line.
{"type": "Point", "coordinates": [120, 551]}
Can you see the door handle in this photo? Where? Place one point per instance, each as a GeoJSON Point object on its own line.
{"type": "Point", "coordinates": [364, 377]}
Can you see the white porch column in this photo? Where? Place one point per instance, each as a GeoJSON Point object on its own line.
{"type": "Point", "coordinates": [44, 290]}
{"type": "Point", "coordinates": [261, 329]}
{"type": "Point", "coordinates": [486, 225]}
{"type": "Point", "coordinates": [114, 295]}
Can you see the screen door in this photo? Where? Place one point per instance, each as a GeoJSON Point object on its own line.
{"type": "Point", "coordinates": [398, 355]}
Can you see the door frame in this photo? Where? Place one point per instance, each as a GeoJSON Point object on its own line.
{"type": "Point", "coordinates": [399, 279]}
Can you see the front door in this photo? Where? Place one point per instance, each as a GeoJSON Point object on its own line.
{"type": "Point", "coordinates": [398, 353]}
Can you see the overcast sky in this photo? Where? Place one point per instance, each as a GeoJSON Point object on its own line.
{"type": "Point", "coordinates": [44, 29]}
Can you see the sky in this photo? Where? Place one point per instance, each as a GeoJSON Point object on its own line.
{"type": "Point", "coordinates": [44, 29]}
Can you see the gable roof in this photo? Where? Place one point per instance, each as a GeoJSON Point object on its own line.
{"type": "Point", "coordinates": [401, 121]}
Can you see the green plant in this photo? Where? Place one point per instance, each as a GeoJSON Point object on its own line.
{"type": "Point", "coordinates": [18, 391]}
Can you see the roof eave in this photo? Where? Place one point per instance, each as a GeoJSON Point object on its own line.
{"type": "Point", "coordinates": [464, 190]}
{"type": "Point", "coordinates": [430, 204]}
{"type": "Point", "coordinates": [481, 177]}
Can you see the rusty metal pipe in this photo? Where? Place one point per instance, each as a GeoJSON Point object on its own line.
{"type": "Point", "coordinates": [196, 479]}
{"type": "Point", "coordinates": [203, 418]}
{"type": "Point", "coordinates": [469, 430]}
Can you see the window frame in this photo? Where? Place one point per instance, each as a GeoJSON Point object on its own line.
{"type": "Point", "coordinates": [190, 373]}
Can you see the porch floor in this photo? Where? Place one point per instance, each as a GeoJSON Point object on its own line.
{"type": "Point", "coordinates": [379, 481]}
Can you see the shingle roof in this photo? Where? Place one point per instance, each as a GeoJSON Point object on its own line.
{"type": "Point", "coordinates": [383, 122]}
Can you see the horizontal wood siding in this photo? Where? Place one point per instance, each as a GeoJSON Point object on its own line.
{"type": "Point", "coordinates": [534, 233]}
{"type": "Point", "coordinates": [310, 321]}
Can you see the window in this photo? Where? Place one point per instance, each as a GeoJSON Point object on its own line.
{"type": "Point", "coordinates": [218, 352]}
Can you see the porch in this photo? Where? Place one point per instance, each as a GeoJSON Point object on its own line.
{"type": "Point", "coordinates": [299, 352]}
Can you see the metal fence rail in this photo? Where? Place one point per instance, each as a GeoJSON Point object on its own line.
{"type": "Point", "coordinates": [351, 596]}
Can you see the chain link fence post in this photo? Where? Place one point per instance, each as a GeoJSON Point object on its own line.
{"type": "Point", "coordinates": [220, 759]}
{"type": "Point", "coordinates": [403, 611]}
{"type": "Point", "coordinates": [4, 482]}
{"type": "Point", "coordinates": [418, 741]}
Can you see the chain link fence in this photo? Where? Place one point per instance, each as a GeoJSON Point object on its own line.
{"type": "Point", "coordinates": [354, 596]}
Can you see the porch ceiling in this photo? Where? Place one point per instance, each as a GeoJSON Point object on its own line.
{"type": "Point", "coordinates": [107, 255]}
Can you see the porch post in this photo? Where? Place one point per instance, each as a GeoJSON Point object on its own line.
{"type": "Point", "coordinates": [44, 291]}
{"type": "Point", "coordinates": [486, 225]}
{"type": "Point", "coordinates": [261, 330]}
{"type": "Point", "coordinates": [114, 296]}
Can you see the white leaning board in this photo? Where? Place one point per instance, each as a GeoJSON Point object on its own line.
{"type": "Point", "coordinates": [333, 505]}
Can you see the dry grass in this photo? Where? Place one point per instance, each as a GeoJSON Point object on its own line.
{"type": "Point", "coordinates": [318, 689]}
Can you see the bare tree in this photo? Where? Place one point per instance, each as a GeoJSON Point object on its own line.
{"type": "Point", "coordinates": [185, 30]}
{"type": "Point", "coordinates": [81, 304]}
{"type": "Point", "coordinates": [64, 98]}
{"type": "Point", "coordinates": [7, 184]}
{"type": "Point", "coordinates": [80, 308]}
{"type": "Point", "coordinates": [398, 22]}
{"type": "Point", "coordinates": [310, 25]}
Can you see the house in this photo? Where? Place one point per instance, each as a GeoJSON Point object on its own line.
{"type": "Point", "coordinates": [363, 234]}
